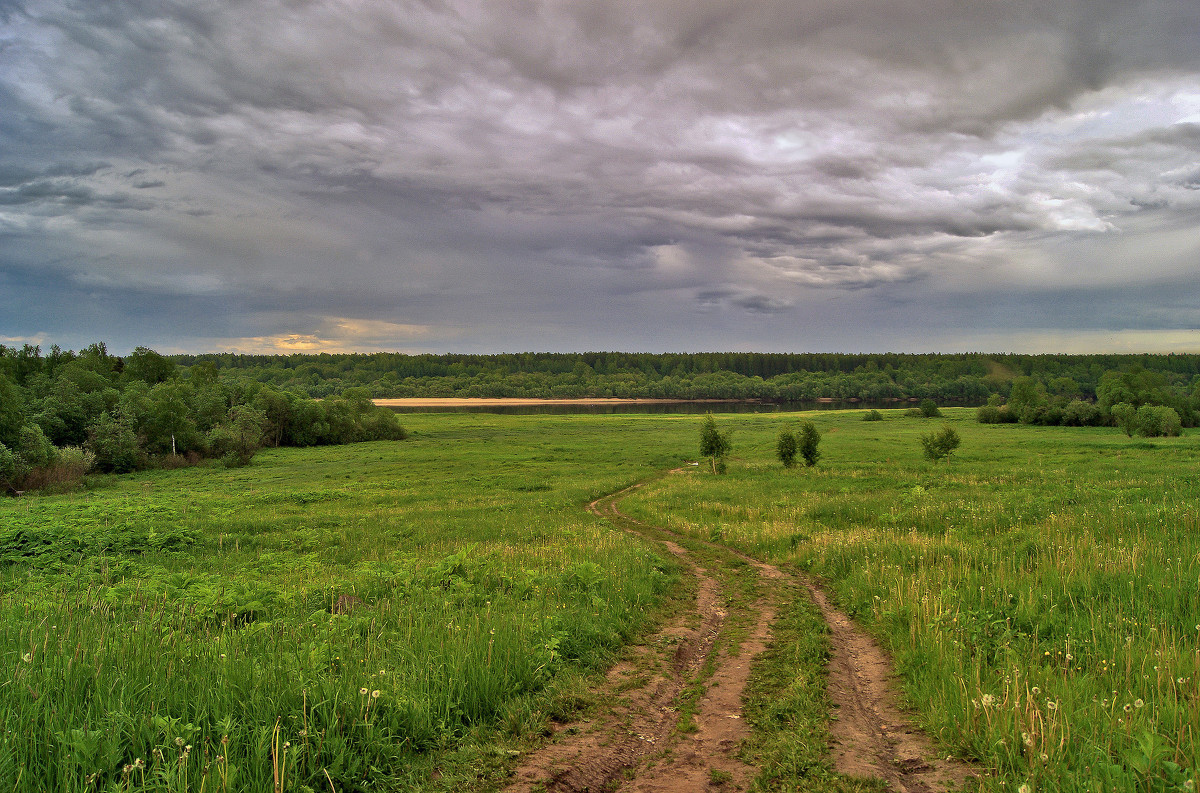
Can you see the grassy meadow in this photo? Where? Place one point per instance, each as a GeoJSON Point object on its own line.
{"type": "Point", "coordinates": [179, 630]}
{"type": "Point", "coordinates": [1040, 594]}
{"type": "Point", "coordinates": [408, 615]}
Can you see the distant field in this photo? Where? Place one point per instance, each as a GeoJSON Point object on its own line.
{"type": "Point", "coordinates": [1041, 595]}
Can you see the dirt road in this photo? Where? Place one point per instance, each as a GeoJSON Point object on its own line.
{"type": "Point", "coordinates": [674, 723]}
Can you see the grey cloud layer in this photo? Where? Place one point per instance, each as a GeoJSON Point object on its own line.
{"type": "Point", "coordinates": [581, 168]}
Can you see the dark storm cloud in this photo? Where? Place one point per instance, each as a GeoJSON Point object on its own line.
{"type": "Point", "coordinates": [488, 175]}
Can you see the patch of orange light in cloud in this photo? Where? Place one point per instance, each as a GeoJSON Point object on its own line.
{"type": "Point", "coordinates": [335, 335]}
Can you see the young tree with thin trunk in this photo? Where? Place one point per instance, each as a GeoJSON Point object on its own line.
{"type": "Point", "coordinates": [714, 444]}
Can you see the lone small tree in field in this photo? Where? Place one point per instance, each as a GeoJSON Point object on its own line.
{"type": "Point", "coordinates": [940, 444]}
{"type": "Point", "coordinates": [714, 444]}
{"type": "Point", "coordinates": [786, 447]}
{"type": "Point", "coordinates": [809, 438]}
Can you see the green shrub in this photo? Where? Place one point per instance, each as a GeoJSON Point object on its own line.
{"type": "Point", "coordinates": [941, 443]}
{"type": "Point", "coordinates": [1078, 413]}
{"type": "Point", "coordinates": [988, 414]}
{"type": "Point", "coordinates": [1154, 421]}
{"type": "Point", "coordinates": [872, 415]}
{"type": "Point", "coordinates": [929, 409]}
{"type": "Point", "coordinates": [809, 438]}
{"type": "Point", "coordinates": [786, 447]}
{"type": "Point", "coordinates": [1125, 416]}
{"type": "Point", "coordinates": [8, 467]}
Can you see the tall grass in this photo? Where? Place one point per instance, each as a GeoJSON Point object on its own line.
{"type": "Point", "coordinates": [1041, 594]}
{"type": "Point", "coordinates": [345, 617]}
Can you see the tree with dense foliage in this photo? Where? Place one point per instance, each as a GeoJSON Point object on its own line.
{"type": "Point", "coordinates": [12, 413]}
{"type": "Point", "coordinates": [115, 445]}
{"type": "Point", "coordinates": [929, 409]}
{"type": "Point", "coordinates": [237, 438]}
{"type": "Point", "coordinates": [786, 447]}
{"type": "Point", "coordinates": [940, 444]}
{"type": "Point", "coordinates": [714, 444]}
{"type": "Point", "coordinates": [1125, 417]}
{"type": "Point", "coordinates": [809, 439]}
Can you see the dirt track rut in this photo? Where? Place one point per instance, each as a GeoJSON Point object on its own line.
{"type": "Point", "coordinates": [635, 745]}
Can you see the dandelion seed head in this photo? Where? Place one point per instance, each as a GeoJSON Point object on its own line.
{"type": "Point", "coordinates": [1137, 703]}
{"type": "Point", "coordinates": [375, 694]}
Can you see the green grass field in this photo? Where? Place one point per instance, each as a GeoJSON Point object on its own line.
{"type": "Point", "coordinates": [177, 630]}
{"type": "Point", "coordinates": [174, 629]}
{"type": "Point", "coordinates": [1040, 594]}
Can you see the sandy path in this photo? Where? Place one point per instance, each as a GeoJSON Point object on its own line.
{"type": "Point", "coordinates": [428, 402]}
{"type": "Point", "coordinates": [635, 744]}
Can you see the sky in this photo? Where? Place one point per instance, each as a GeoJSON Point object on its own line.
{"type": "Point", "coordinates": [509, 175]}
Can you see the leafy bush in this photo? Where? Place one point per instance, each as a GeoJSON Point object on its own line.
{"type": "Point", "coordinates": [809, 438]}
{"type": "Point", "coordinates": [1154, 421]}
{"type": "Point", "coordinates": [70, 465]}
{"type": "Point", "coordinates": [8, 467]}
{"type": "Point", "coordinates": [786, 447]}
{"type": "Point", "coordinates": [1125, 417]}
{"type": "Point", "coordinates": [941, 443]}
{"type": "Point", "coordinates": [1078, 413]}
{"type": "Point", "coordinates": [929, 409]}
{"type": "Point", "coordinates": [988, 414]}
{"type": "Point", "coordinates": [872, 415]}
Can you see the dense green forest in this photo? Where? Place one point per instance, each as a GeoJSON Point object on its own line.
{"type": "Point", "coordinates": [1043, 389]}
{"type": "Point", "coordinates": [969, 378]}
{"type": "Point", "coordinates": [65, 413]}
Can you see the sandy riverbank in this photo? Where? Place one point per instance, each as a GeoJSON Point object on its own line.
{"type": "Point", "coordinates": [425, 402]}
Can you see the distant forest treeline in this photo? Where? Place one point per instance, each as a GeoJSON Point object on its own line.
{"type": "Point", "coordinates": [64, 413]}
{"type": "Point", "coordinates": [784, 377]}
